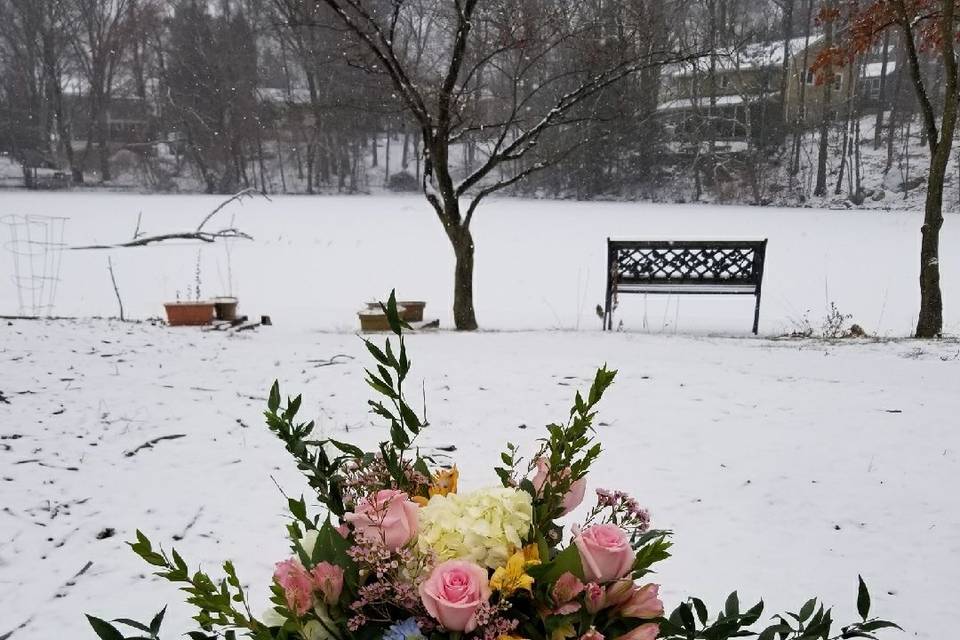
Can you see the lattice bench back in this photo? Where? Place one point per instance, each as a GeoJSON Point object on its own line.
{"type": "Point", "coordinates": [684, 267]}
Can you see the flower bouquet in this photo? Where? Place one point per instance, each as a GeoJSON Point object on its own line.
{"type": "Point", "coordinates": [398, 552]}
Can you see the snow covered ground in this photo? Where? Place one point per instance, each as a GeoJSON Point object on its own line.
{"type": "Point", "coordinates": [785, 467]}
{"type": "Point", "coordinates": [539, 264]}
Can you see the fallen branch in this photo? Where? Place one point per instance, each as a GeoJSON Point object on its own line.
{"type": "Point", "coordinates": [332, 361]}
{"type": "Point", "coordinates": [140, 240]}
{"type": "Point", "coordinates": [149, 443]}
{"type": "Point", "coordinates": [22, 625]}
{"type": "Point", "coordinates": [202, 236]}
{"type": "Point", "coordinates": [183, 534]}
{"type": "Point", "coordinates": [73, 581]}
{"type": "Point", "coordinates": [246, 193]}
{"type": "Point", "coordinates": [116, 290]}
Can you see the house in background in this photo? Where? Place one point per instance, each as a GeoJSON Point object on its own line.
{"type": "Point", "coordinates": [735, 97]}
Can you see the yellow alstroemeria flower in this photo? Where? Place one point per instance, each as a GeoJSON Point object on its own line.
{"type": "Point", "coordinates": [513, 577]}
{"type": "Point", "coordinates": [509, 637]}
{"type": "Point", "coordinates": [444, 482]}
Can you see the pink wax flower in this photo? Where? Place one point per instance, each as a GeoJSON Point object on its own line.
{"type": "Point", "coordinates": [297, 585]}
{"type": "Point", "coordinates": [647, 631]}
{"type": "Point", "coordinates": [574, 496]}
{"type": "Point", "coordinates": [388, 516]}
{"type": "Point", "coordinates": [453, 593]}
{"type": "Point", "coordinates": [644, 603]}
{"type": "Point", "coordinates": [328, 580]}
{"type": "Point", "coordinates": [605, 552]}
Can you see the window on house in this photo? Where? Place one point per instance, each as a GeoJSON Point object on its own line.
{"type": "Point", "coordinates": [837, 81]}
{"type": "Point", "coordinates": [801, 113]}
{"type": "Point", "coordinates": [724, 82]}
{"type": "Point", "coordinates": [811, 77]}
{"type": "Point", "coordinates": [874, 88]}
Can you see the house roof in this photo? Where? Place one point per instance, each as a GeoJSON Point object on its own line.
{"type": "Point", "coordinates": [873, 69]}
{"type": "Point", "coordinates": [690, 103]}
{"type": "Point", "coordinates": [756, 55]}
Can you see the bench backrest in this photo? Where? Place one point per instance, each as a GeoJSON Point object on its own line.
{"type": "Point", "coordinates": [694, 262]}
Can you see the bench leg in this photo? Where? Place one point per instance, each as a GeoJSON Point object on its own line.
{"type": "Point", "coordinates": [608, 310]}
{"type": "Point", "coordinates": [756, 316]}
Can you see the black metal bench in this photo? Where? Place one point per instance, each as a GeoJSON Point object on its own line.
{"type": "Point", "coordinates": [684, 267]}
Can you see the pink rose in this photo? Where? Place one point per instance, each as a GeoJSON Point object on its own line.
{"type": "Point", "coordinates": [328, 580]}
{"type": "Point", "coordinates": [297, 585]}
{"type": "Point", "coordinates": [647, 631]}
{"type": "Point", "coordinates": [644, 603]}
{"type": "Point", "coordinates": [605, 552]}
{"type": "Point", "coordinates": [388, 516]}
{"type": "Point", "coordinates": [453, 593]}
{"type": "Point", "coordinates": [574, 496]}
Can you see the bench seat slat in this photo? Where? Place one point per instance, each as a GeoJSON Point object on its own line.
{"type": "Point", "coordinates": [688, 287]}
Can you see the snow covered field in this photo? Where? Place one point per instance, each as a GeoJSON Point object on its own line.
{"type": "Point", "coordinates": [785, 467]}
{"type": "Point", "coordinates": [539, 264]}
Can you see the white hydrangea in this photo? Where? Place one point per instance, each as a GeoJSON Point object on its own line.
{"type": "Point", "coordinates": [482, 526]}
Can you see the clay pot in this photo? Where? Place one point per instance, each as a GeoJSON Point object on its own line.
{"type": "Point", "coordinates": [226, 308]}
{"type": "Point", "coordinates": [412, 310]}
{"type": "Point", "coordinates": [185, 314]}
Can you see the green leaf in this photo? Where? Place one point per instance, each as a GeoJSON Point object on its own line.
{"type": "Point", "coordinates": [567, 560]}
{"type": "Point", "coordinates": [686, 616]}
{"type": "Point", "coordinates": [157, 621]}
{"type": "Point", "coordinates": [273, 403]}
{"type": "Point", "coordinates": [348, 448]}
{"type": "Point", "coordinates": [650, 554]}
{"type": "Point", "coordinates": [104, 629]}
{"type": "Point", "coordinates": [701, 610]}
{"type": "Point", "coordinates": [876, 625]}
{"type": "Point", "coordinates": [375, 351]}
{"type": "Point", "coordinates": [393, 317]}
{"type": "Point", "coordinates": [863, 599]}
{"type": "Point", "coordinates": [133, 623]}
{"type": "Point", "coordinates": [807, 609]}
{"type": "Point", "coordinates": [752, 615]}
{"type": "Point", "coordinates": [732, 605]}
{"type": "Point", "coordinates": [298, 508]}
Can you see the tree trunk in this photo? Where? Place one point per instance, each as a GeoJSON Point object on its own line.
{"type": "Point", "coordinates": [464, 317]}
{"type": "Point", "coordinates": [821, 188]}
{"type": "Point", "coordinates": [103, 145]}
{"type": "Point", "coordinates": [930, 322]}
{"type": "Point", "coordinates": [882, 97]}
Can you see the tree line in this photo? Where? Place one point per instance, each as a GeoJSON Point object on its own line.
{"type": "Point", "coordinates": [744, 100]}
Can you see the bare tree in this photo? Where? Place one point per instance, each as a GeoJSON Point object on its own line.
{"type": "Point", "coordinates": [479, 45]}
{"type": "Point", "coordinates": [99, 44]}
{"type": "Point", "coordinates": [930, 25]}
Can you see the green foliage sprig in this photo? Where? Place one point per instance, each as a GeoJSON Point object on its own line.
{"type": "Point", "coordinates": [691, 621]}
{"type": "Point", "coordinates": [325, 472]}
{"type": "Point", "coordinates": [569, 450]}
{"type": "Point", "coordinates": [216, 601]}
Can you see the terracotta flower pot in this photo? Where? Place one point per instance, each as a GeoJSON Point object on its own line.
{"type": "Point", "coordinates": [185, 314]}
{"type": "Point", "coordinates": [226, 308]}
{"type": "Point", "coordinates": [412, 310]}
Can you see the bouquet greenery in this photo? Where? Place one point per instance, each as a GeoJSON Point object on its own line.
{"type": "Point", "coordinates": [398, 553]}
